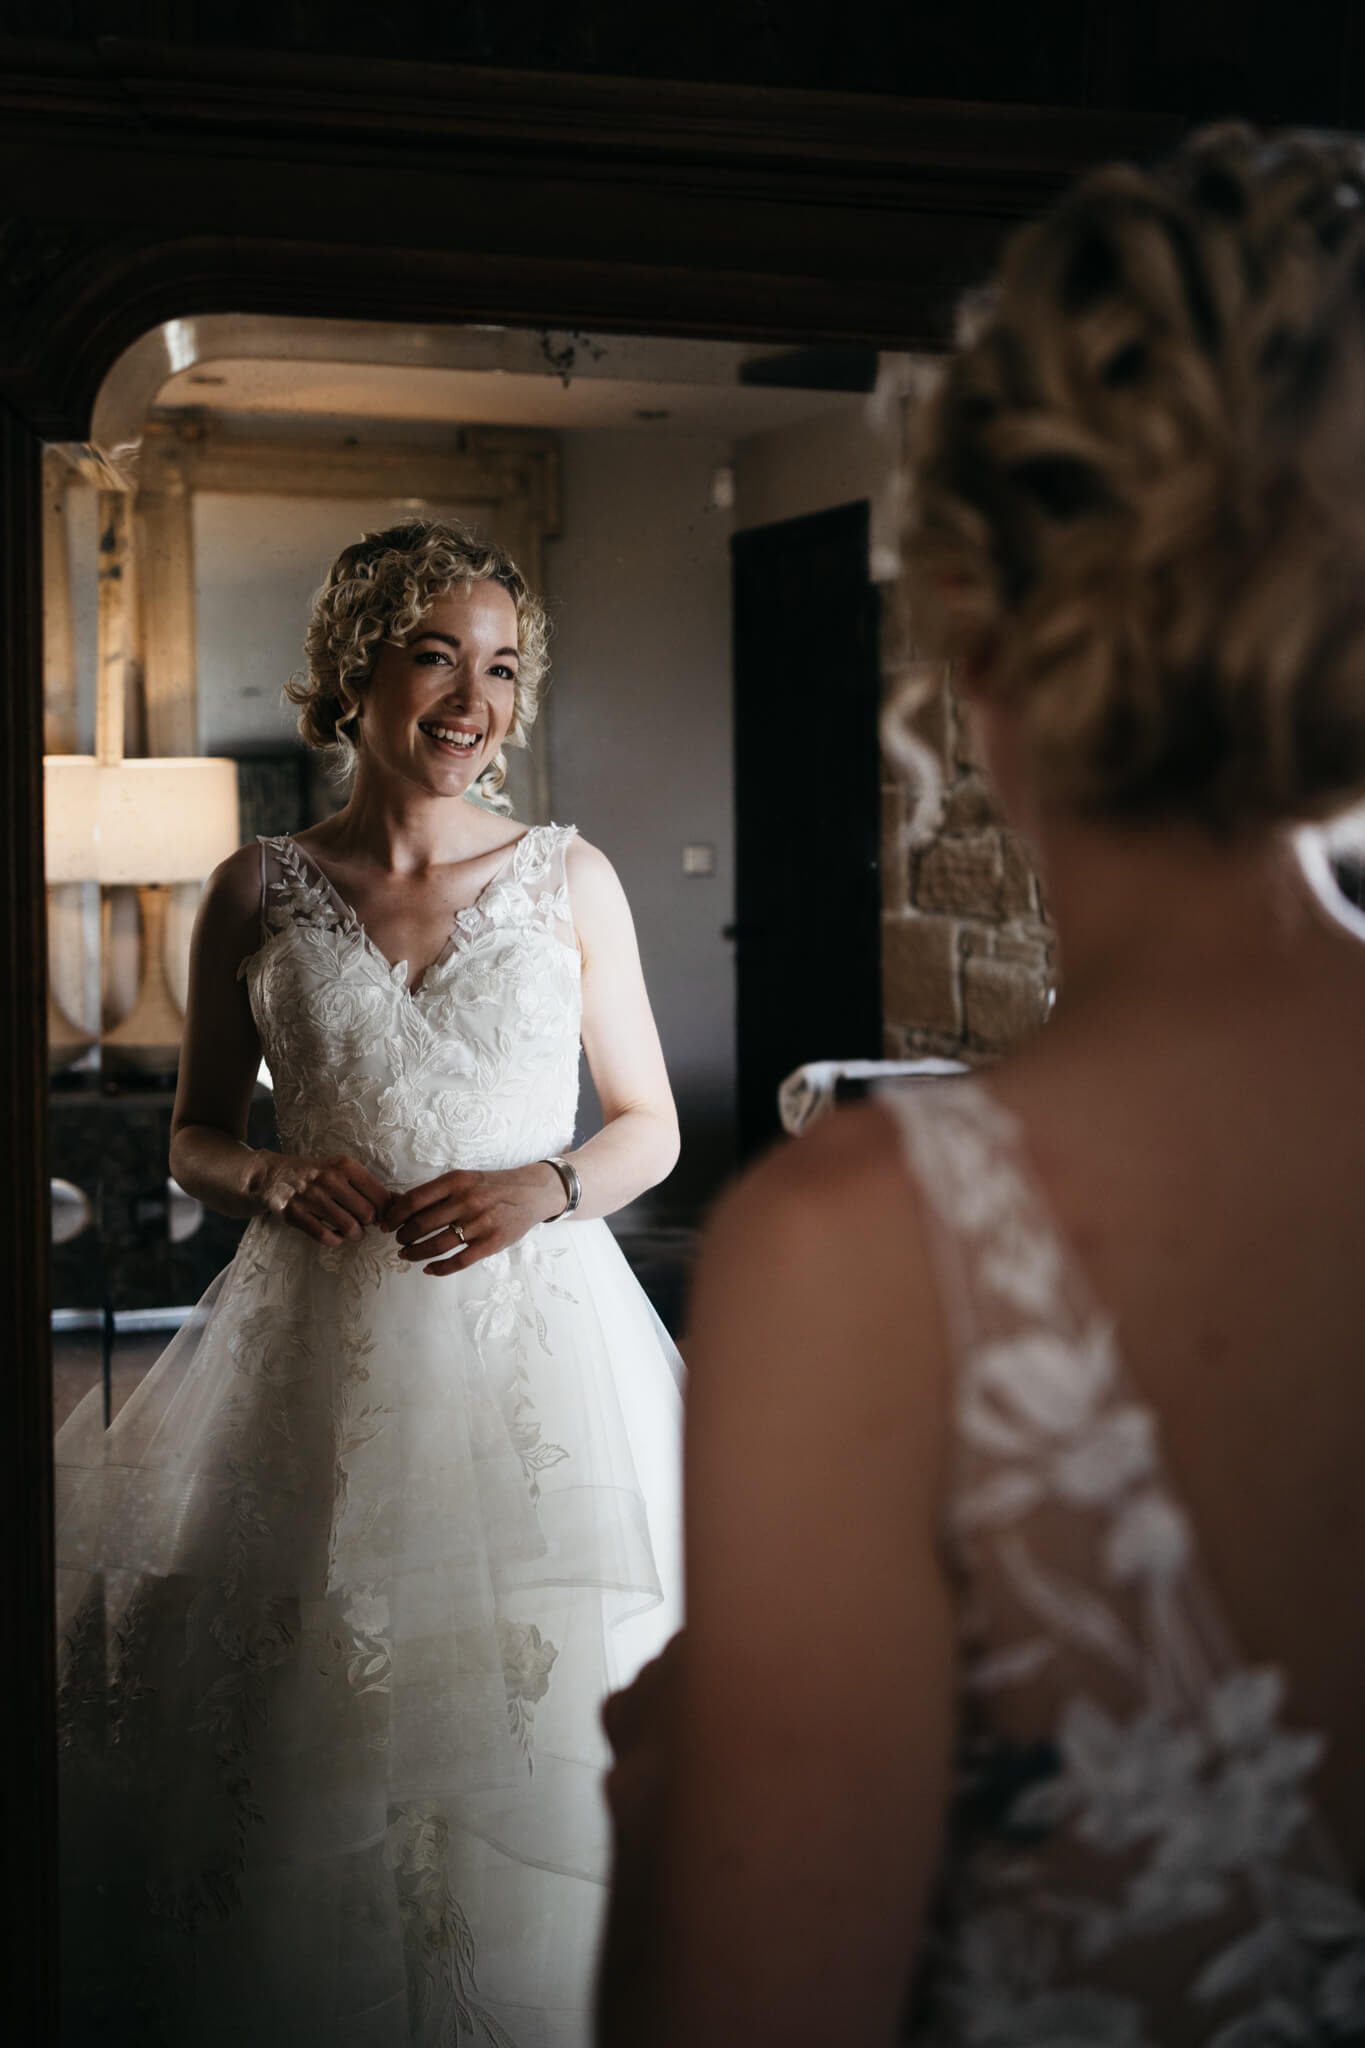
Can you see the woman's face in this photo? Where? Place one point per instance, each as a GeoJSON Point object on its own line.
{"type": "Point", "coordinates": [438, 705]}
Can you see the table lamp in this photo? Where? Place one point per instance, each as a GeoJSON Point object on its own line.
{"type": "Point", "coordinates": [70, 802]}
{"type": "Point", "coordinates": [150, 824]}
{"type": "Point", "coordinates": [161, 820]}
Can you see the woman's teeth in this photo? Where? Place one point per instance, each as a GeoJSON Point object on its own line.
{"type": "Point", "coordinates": [465, 741]}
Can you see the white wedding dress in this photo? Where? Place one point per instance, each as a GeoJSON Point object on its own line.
{"type": "Point", "coordinates": [1135, 1857]}
{"type": "Point", "coordinates": [345, 1584]}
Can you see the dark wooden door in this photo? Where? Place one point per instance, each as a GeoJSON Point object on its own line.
{"type": "Point", "coordinates": [807, 779]}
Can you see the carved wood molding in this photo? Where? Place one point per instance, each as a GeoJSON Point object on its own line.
{"type": "Point", "coordinates": [29, 1847]}
{"type": "Point", "coordinates": [34, 256]}
{"type": "Point", "coordinates": [193, 451]}
{"type": "Point", "coordinates": [128, 84]}
{"type": "Point", "coordinates": [163, 181]}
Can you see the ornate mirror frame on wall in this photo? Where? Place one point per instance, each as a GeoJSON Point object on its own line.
{"type": "Point", "coordinates": [147, 184]}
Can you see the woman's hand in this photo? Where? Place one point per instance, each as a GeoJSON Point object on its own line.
{"type": "Point", "coordinates": [329, 1200]}
{"type": "Point", "coordinates": [450, 1223]}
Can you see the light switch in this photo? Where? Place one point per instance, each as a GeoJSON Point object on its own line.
{"type": "Point", "coordinates": [699, 860]}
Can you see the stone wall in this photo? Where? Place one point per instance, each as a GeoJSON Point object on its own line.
{"type": "Point", "coordinates": [967, 954]}
{"type": "Point", "coordinates": [968, 962]}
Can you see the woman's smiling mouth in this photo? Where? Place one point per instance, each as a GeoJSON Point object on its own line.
{"type": "Point", "coordinates": [452, 739]}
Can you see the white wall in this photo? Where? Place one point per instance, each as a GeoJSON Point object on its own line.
{"type": "Point", "coordinates": [258, 561]}
{"type": "Point", "coordinates": [640, 741]}
{"type": "Point", "coordinates": [853, 451]}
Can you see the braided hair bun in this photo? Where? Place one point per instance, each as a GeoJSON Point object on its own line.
{"type": "Point", "coordinates": [1140, 494]}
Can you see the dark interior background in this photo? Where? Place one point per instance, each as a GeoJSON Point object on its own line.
{"type": "Point", "coordinates": [1261, 58]}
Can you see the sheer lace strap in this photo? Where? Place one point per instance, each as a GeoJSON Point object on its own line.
{"type": "Point", "coordinates": [1000, 1259]}
{"type": "Point", "coordinates": [294, 891]}
{"type": "Point", "coordinates": [564, 836]}
{"type": "Point", "coordinates": [541, 869]}
{"type": "Point", "coordinates": [1053, 1454]}
{"type": "Point", "coordinates": [272, 915]}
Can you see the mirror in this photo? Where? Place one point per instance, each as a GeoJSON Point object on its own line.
{"type": "Point", "coordinates": [714, 527]}
{"type": "Point", "coordinates": [618, 470]}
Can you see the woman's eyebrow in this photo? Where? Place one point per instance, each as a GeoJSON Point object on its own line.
{"type": "Point", "coordinates": [451, 641]}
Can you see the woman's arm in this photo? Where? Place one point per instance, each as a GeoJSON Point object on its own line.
{"type": "Point", "coordinates": [638, 1143]}
{"type": "Point", "coordinates": [219, 1057]}
{"type": "Point", "coordinates": [804, 1748]}
{"type": "Point", "coordinates": [220, 1051]}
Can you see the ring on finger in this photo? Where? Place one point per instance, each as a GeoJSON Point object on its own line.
{"type": "Point", "coordinates": [464, 1241]}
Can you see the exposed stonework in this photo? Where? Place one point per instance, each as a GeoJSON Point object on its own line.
{"type": "Point", "coordinates": [922, 973]}
{"type": "Point", "coordinates": [961, 874]}
{"type": "Point", "coordinates": [967, 955]}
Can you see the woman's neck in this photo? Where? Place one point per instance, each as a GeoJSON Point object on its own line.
{"type": "Point", "coordinates": [1171, 904]}
{"type": "Point", "coordinates": [406, 831]}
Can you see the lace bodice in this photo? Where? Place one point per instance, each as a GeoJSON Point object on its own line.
{"type": "Point", "coordinates": [475, 1067]}
{"type": "Point", "coordinates": [1133, 1856]}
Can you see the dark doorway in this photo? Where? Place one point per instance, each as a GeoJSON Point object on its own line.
{"type": "Point", "coordinates": [807, 779]}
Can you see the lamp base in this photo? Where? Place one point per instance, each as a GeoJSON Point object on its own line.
{"type": "Point", "coordinates": [66, 1042]}
{"type": "Point", "coordinates": [147, 1040]}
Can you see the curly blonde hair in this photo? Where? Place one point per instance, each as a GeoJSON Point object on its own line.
{"type": "Point", "coordinates": [1140, 494]}
{"type": "Point", "coordinates": [381, 588]}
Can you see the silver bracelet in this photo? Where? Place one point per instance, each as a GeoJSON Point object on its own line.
{"type": "Point", "coordinates": [573, 1186]}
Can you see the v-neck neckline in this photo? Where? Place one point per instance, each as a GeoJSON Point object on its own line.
{"type": "Point", "coordinates": [392, 967]}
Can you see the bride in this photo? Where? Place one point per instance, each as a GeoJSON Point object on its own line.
{"type": "Point", "coordinates": [1022, 1692]}
{"type": "Point", "coordinates": [344, 1585]}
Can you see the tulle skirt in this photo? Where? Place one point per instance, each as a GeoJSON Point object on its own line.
{"type": "Point", "coordinates": [340, 1594]}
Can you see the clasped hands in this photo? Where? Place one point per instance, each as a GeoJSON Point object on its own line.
{"type": "Point", "coordinates": [446, 1225]}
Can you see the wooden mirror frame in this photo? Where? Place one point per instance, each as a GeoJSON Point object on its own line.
{"type": "Point", "coordinates": [148, 182]}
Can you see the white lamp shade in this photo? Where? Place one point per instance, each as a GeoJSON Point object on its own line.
{"type": "Point", "coordinates": [70, 813]}
{"type": "Point", "coordinates": [170, 819]}
{"type": "Point", "coordinates": [166, 820]}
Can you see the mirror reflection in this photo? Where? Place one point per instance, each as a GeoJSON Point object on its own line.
{"type": "Point", "coordinates": [619, 471]}
{"type": "Point", "coordinates": [367, 1421]}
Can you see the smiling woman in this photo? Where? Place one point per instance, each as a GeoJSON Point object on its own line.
{"type": "Point", "coordinates": [377, 594]}
{"type": "Point", "coordinates": [344, 1585]}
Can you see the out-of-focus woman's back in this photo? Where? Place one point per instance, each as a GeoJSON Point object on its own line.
{"type": "Point", "coordinates": [1027, 1420]}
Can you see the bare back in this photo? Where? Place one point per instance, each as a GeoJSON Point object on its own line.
{"type": "Point", "coordinates": [1207, 1171]}
{"type": "Point", "coordinates": [1149, 1235]}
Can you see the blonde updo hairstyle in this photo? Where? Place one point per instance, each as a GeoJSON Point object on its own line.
{"type": "Point", "coordinates": [1140, 497]}
{"type": "Point", "coordinates": [381, 588]}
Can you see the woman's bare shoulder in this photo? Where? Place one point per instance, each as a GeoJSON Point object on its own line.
{"type": "Point", "coordinates": [825, 1238]}
{"type": "Point", "coordinates": [601, 911]}
{"type": "Point", "coordinates": [234, 887]}
{"type": "Point", "coordinates": [228, 926]}
{"type": "Point", "coordinates": [586, 863]}
{"type": "Point", "coordinates": [849, 1164]}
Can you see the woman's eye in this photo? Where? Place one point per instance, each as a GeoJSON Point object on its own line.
{"type": "Point", "coordinates": [432, 654]}
{"type": "Point", "coordinates": [500, 669]}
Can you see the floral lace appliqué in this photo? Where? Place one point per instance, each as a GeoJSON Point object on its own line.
{"type": "Point", "coordinates": [1163, 1798]}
